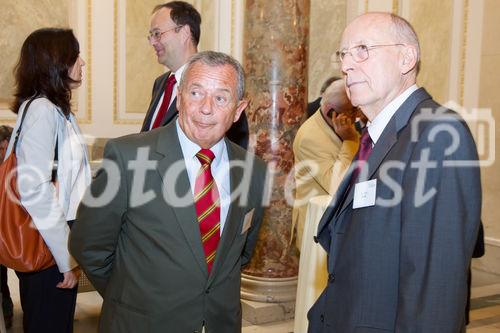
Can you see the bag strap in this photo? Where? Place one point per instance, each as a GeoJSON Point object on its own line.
{"type": "Point", "coordinates": [22, 120]}
{"type": "Point", "coordinates": [18, 132]}
{"type": "Point", "coordinates": [56, 161]}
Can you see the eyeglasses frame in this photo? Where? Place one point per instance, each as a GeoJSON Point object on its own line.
{"type": "Point", "coordinates": [340, 57]}
{"type": "Point", "coordinates": [159, 34]}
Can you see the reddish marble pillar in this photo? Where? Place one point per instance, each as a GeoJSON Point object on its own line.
{"type": "Point", "coordinates": [275, 61]}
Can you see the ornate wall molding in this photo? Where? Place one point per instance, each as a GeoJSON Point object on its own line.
{"type": "Point", "coordinates": [122, 114]}
{"type": "Point", "coordinates": [395, 7]}
{"type": "Point", "coordinates": [84, 101]}
{"type": "Point", "coordinates": [79, 19]}
{"type": "Point", "coordinates": [463, 51]}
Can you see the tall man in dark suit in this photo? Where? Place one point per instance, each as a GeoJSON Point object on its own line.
{"type": "Point", "coordinates": [401, 229]}
{"type": "Point", "coordinates": [174, 34]}
{"type": "Point", "coordinates": [166, 250]}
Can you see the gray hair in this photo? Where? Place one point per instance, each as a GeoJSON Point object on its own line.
{"type": "Point", "coordinates": [327, 83]}
{"type": "Point", "coordinates": [406, 34]}
{"type": "Point", "coordinates": [334, 94]}
{"type": "Point", "coordinates": [216, 59]}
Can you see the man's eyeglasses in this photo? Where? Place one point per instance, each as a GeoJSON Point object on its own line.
{"type": "Point", "coordinates": [359, 53]}
{"type": "Point", "coordinates": [156, 35]}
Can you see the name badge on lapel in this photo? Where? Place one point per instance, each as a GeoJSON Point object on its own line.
{"type": "Point", "coordinates": [247, 222]}
{"type": "Point", "coordinates": [365, 194]}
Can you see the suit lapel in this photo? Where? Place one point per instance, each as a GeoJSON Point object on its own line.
{"type": "Point", "coordinates": [389, 137]}
{"type": "Point", "coordinates": [234, 216]}
{"type": "Point", "coordinates": [171, 113]}
{"type": "Point", "coordinates": [168, 145]}
{"type": "Point", "coordinates": [158, 91]}
{"type": "Point", "coordinates": [337, 200]}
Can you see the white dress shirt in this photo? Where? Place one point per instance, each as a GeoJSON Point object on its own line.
{"type": "Point", "coordinates": [178, 76]}
{"type": "Point", "coordinates": [219, 168]}
{"type": "Point", "coordinates": [51, 206]}
{"type": "Point", "coordinates": [377, 126]}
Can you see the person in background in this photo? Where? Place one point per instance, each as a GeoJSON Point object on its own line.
{"type": "Point", "coordinates": [174, 34]}
{"type": "Point", "coordinates": [323, 148]}
{"type": "Point", "coordinates": [49, 68]}
{"type": "Point", "coordinates": [5, 134]}
{"type": "Point", "coordinates": [313, 106]}
{"type": "Point", "coordinates": [7, 305]}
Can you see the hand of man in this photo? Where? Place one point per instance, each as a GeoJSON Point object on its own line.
{"type": "Point", "coordinates": [344, 126]}
{"type": "Point", "coordinates": [70, 279]}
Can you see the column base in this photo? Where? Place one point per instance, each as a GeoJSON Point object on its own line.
{"type": "Point", "coordinates": [489, 262]}
{"type": "Point", "coordinates": [261, 313]}
{"type": "Point", "coordinates": [268, 290]}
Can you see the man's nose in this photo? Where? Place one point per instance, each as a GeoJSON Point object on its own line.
{"type": "Point", "coordinates": [206, 105]}
{"type": "Point", "coordinates": [347, 63]}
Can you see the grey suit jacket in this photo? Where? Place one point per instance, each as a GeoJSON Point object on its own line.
{"type": "Point", "coordinates": [146, 259]}
{"type": "Point", "coordinates": [402, 266]}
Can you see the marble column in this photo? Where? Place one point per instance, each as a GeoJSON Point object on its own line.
{"type": "Point", "coordinates": [275, 61]}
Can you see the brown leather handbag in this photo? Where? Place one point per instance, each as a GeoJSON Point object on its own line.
{"type": "Point", "coordinates": [22, 248]}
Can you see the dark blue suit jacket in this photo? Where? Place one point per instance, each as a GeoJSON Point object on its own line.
{"type": "Point", "coordinates": [402, 266]}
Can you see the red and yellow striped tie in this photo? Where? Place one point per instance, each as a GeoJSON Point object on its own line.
{"type": "Point", "coordinates": [207, 204]}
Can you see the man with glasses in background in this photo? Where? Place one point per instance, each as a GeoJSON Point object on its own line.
{"type": "Point", "coordinates": [402, 227]}
{"type": "Point", "coordinates": [174, 34]}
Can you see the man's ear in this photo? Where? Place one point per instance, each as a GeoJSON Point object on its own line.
{"type": "Point", "coordinates": [178, 98]}
{"type": "Point", "coordinates": [408, 59]}
{"type": "Point", "coordinates": [242, 105]}
{"type": "Point", "coordinates": [186, 32]}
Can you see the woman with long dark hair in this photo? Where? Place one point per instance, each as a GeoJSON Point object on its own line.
{"type": "Point", "coordinates": [53, 171]}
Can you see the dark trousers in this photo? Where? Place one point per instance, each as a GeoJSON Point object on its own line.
{"type": "Point", "coordinates": [46, 309]}
{"type": "Point", "coordinates": [7, 306]}
{"type": "Point", "coordinates": [3, 278]}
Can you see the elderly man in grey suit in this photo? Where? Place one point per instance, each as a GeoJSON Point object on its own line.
{"type": "Point", "coordinates": [401, 229]}
{"type": "Point", "coordinates": [166, 250]}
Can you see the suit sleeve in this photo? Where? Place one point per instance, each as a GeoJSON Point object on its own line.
{"type": "Point", "coordinates": [94, 236]}
{"type": "Point", "coordinates": [439, 223]}
{"type": "Point", "coordinates": [257, 193]}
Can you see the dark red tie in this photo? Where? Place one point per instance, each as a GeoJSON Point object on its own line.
{"type": "Point", "coordinates": [207, 205]}
{"type": "Point", "coordinates": [365, 149]}
{"type": "Point", "coordinates": [169, 88]}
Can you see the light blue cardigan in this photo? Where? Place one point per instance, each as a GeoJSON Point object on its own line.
{"type": "Point", "coordinates": [50, 207]}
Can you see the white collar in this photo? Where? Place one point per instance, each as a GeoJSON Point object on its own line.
{"type": "Point", "coordinates": [190, 149]}
{"type": "Point", "coordinates": [178, 73]}
{"type": "Point", "coordinates": [377, 126]}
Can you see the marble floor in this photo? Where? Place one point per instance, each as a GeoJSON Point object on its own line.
{"type": "Point", "coordinates": [485, 309]}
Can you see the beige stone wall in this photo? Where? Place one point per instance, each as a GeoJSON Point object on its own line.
{"type": "Point", "coordinates": [327, 21]}
{"type": "Point", "coordinates": [432, 21]}
{"type": "Point", "coordinates": [17, 20]}
{"type": "Point", "coordinates": [207, 11]}
{"type": "Point", "coordinates": [489, 97]}
{"type": "Point", "coordinates": [141, 64]}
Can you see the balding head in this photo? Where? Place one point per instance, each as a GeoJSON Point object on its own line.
{"type": "Point", "coordinates": [380, 55]}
